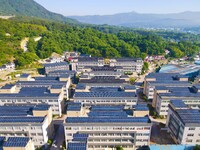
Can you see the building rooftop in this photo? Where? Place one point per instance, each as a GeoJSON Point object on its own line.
{"type": "Point", "coordinates": [80, 137]}
{"type": "Point", "coordinates": [169, 76]}
{"type": "Point", "coordinates": [41, 83]}
{"type": "Point", "coordinates": [71, 106]}
{"type": "Point", "coordinates": [107, 120]}
{"type": "Point", "coordinates": [104, 94]}
{"type": "Point", "coordinates": [141, 107]}
{"type": "Point", "coordinates": [105, 68]}
{"type": "Point", "coordinates": [89, 59]}
{"type": "Point", "coordinates": [77, 146]}
{"type": "Point", "coordinates": [108, 114]}
{"type": "Point", "coordinates": [80, 86]}
{"type": "Point", "coordinates": [16, 142]}
{"type": "Point", "coordinates": [21, 109]}
{"type": "Point", "coordinates": [21, 119]}
{"type": "Point", "coordinates": [24, 75]}
{"type": "Point", "coordinates": [161, 88]}
{"type": "Point", "coordinates": [31, 92]}
{"type": "Point", "coordinates": [105, 89]}
{"type": "Point", "coordinates": [7, 86]}
{"type": "Point", "coordinates": [189, 116]}
{"type": "Point", "coordinates": [103, 79]}
{"type": "Point", "coordinates": [107, 107]}
{"type": "Point", "coordinates": [178, 104]}
{"type": "Point", "coordinates": [180, 92]}
{"type": "Point", "coordinates": [57, 86]}
{"type": "Point", "coordinates": [130, 87]}
{"type": "Point", "coordinates": [127, 59]}
{"type": "Point", "coordinates": [56, 64]}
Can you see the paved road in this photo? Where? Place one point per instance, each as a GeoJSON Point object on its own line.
{"type": "Point", "coordinates": [59, 138]}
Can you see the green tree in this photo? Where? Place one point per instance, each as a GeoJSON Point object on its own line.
{"type": "Point", "coordinates": [145, 67]}
{"type": "Point", "coordinates": [197, 147]}
{"type": "Point", "coordinates": [119, 148]}
{"type": "Point", "coordinates": [132, 80]}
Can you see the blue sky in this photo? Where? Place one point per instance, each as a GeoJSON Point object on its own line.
{"type": "Point", "coordinates": [102, 7]}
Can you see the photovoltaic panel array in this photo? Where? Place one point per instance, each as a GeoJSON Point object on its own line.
{"type": "Point", "coordinates": [77, 146]}
{"type": "Point", "coordinates": [189, 116]}
{"type": "Point", "coordinates": [104, 94]}
{"type": "Point", "coordinates": [80, 137]}
{"type": "Point", "coordinates": [21, 119]}
{"type": "Point", "coordinates": [107, 108]}
{"type": "Point", "coordinates": [107, 120]}
{"type": "Point", "coordinates": [16, 142]}
{"type": "Point", "coordinates": [107, 114]}
{"type": "Point", "coordinates": [178, 104]}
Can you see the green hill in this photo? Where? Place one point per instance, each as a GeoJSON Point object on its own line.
{"type": "Point", "coordinates": [58, 37]}
{"type": "Point", "coordinates": [30, 8]}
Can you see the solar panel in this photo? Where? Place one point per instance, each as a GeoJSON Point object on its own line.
{"type": "Point", "coordinates": [107, 120]}
{"type": "Point", "coordinates": [109, 114]}
{"type": "Point", "coordinates": [107, 108]}
{"type": "Point", "coordinates": [189, 115]}
{"type": "Point", "coordinates": [80, 137]}
{"type": "Point", "coordinates": [21, 119]}
{"type": "Point", "coordinates": [77, 146]}
{"type": "Point", "coordinates": [16, 142]}
{"type": "Point", "coordinates": [105, 94]}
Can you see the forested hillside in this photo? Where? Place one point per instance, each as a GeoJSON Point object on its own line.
{"type": "Point", "coordinates": [58, 37]}
{"type": "Point", "coordinates": [30, 8]}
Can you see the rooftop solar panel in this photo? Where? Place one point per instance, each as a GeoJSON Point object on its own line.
{"type": "Point", "coordinates": [178, 104]}
{"type": "Point", "coordinates": [107, 113]}
{"type": "Point", "coordinates": [105, 94]}
{"type": "Point", "coordinates": [16, 142]}
{"type": "Point", "coordinates": [77, 146]}
{"type": "Point", "coordinates": [107, 120]}
{"type": "Point", "coordinates": [21, 119]}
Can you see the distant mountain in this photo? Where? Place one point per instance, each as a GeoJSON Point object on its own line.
{"type": "Point", "coordinates": [29, 8]}
{"type": "Point", "coordinates": [133, 19]}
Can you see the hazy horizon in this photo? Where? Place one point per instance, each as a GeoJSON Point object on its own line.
{"type": "Point", "coordinates": [109, 7]}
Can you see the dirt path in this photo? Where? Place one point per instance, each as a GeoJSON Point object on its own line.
{"type": "Point", "coordinates": [24, 44]}
{"type": "Point", "coordinates": [37, 38]}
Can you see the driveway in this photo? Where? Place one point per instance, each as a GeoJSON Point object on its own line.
{"type": "Point", "coordinates": [59, 138]}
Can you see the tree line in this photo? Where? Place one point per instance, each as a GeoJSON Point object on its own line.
{"type": "Point", "coordinates": [59, 37]}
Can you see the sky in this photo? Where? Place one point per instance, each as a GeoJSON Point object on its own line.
{"type": "Point", "coordinates": [106, 7]}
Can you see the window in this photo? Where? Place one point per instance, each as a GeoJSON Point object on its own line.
{"type": "Point", "coordinates": [189, 141]}
{"type": "Point", "coordinates": [191, 128]}
{"type": "Point", "coordinates": [190, 135]}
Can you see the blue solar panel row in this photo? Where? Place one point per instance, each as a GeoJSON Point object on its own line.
{"type": "Point", "coordinates": [107, 108]}
{"type": "Point", "coordinates": [21, 110]}
{"type": "Point", "coordinates": [31, 92]}
{"type": "Point", "coordinates": [80, 137]}
{"type": "Point", "coordinates": [22, 119]}
{"type": "Point", "coordinates": [178, 104]}
{"type": "Point", "coordinates": [74, 108]}
{"type": "Point", "coordinates": [16, 142]}
{"type": "Point", "coordinates": [56, 64]}
{"type": "Point", "coordinates": [141, 107]}
{"type": "Point", "coordinates": [77, 146]}
{"type": "Point", "coordinates": [189, 115]}
{"type": "Point", "coordinates": [105, 94]}
{"type": "Point", "coordinates": [100, 114]}
{"type": "Point", "coordinates": [107, 120]}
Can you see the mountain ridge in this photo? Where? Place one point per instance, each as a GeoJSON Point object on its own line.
{"type": "Point", "coordinates": [182, 19]}
{"type": "Point", "coordinates": [30, 8]}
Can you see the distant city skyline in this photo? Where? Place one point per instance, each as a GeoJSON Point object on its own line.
{"type": "Point", "coordinates": [107, 7]}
